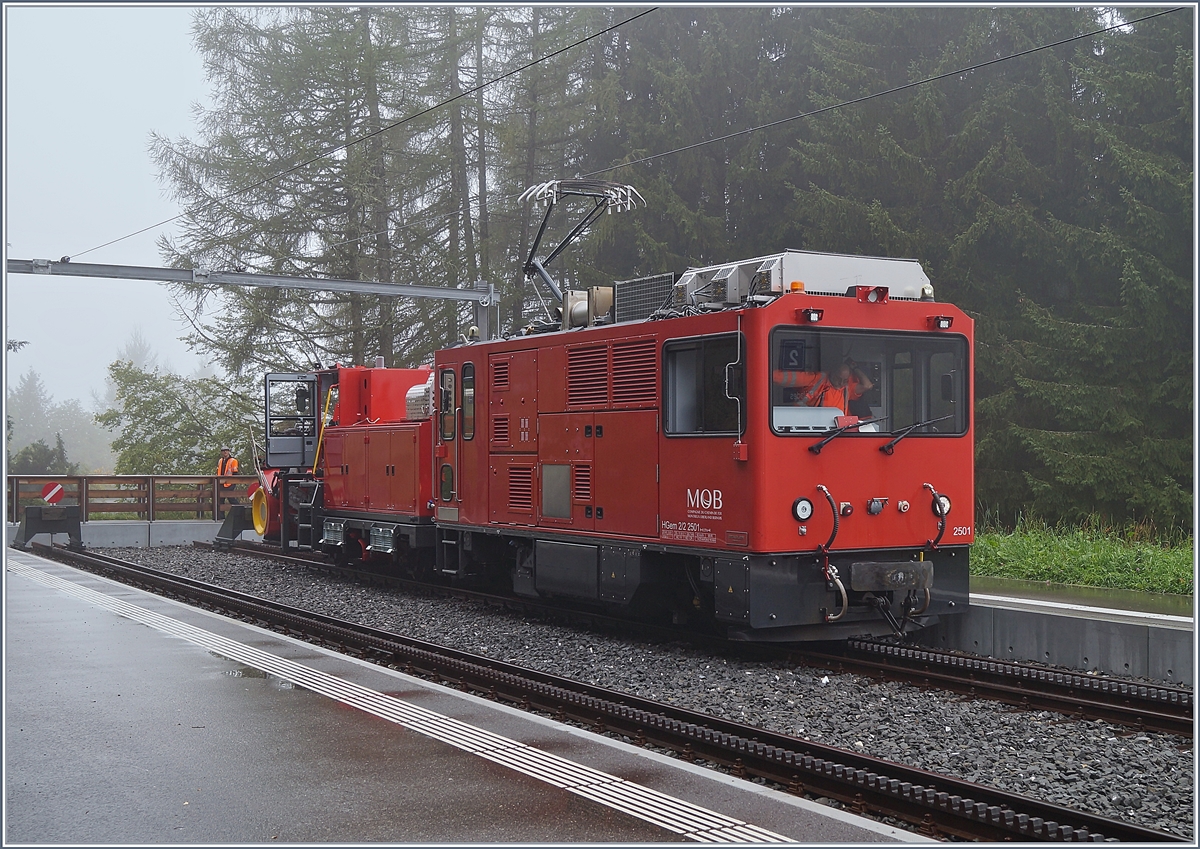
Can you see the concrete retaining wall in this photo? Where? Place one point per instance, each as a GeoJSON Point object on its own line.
{"type": "Point", "coordinates": [117, 534]}
{"type": "Point", "coordinates": [1117, 648]}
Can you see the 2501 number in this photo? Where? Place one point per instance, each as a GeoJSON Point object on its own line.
{"type": "Point", "coordinates": [961, 532]}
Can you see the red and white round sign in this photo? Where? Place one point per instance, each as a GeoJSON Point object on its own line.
{"type": "Point", "coordinates": [52, 493]}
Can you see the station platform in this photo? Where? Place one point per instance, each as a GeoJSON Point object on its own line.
{"type": "Point", "coordinates": [1124, 634]}
{"type": "Point", "coordinates": [130, 718]}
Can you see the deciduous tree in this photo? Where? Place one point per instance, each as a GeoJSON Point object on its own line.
{"type": "Point", "coordinates": [175, 425]}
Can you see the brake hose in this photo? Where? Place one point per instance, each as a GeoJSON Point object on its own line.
{"type": "Point", "coordinates": [831, 573]}
{"type": "Point", "coordinates": [937, 509]}
{"type": "Point", "coordinates": [832, 506]}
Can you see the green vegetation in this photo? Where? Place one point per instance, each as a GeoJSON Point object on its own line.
{"type": "Point", "coordinates": [1050, 195]}
{"type": "Point", "coordinates": [172, 425]}
{"type": "Point", "coordinates": [1130, 558]}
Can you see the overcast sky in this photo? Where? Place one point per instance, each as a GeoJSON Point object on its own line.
{"type": "Point", "coordinates": [83, 88]}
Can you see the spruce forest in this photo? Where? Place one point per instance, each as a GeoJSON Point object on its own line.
{"type": "Point", "coordinates": [1049, 195]}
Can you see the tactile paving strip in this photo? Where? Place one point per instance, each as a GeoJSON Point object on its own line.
{"type": "Point", "coordinates": [674, 815]}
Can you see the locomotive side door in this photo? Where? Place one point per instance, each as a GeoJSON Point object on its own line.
{"type": "Point", "coordinates": [471, 489]}
{"type": "Point", "coordinates": [446, 482]}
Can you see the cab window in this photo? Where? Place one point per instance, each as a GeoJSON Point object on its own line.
{"type": "Point", "coordinates": [468, 401]}
{"type": "Point", "coordinates": [705, 385]}
{"type": "Point", "coordinates": [446, 407]}
{"type": "Point", "coordinates": [897, 379]}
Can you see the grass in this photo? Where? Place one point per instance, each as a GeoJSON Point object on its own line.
{"type": "Point", "coordinates": [1093, 555]}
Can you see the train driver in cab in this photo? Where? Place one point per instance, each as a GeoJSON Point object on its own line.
{"type": "Point", "coordinates": [843, 389]}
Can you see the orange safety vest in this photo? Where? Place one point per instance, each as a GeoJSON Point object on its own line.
{"type": "Point", "coordinates": [227, 467]}
{"type": "Point", "coordinates": [827, 395]}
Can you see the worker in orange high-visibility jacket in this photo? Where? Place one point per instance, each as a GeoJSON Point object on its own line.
{"type": "Point", "coordinates": [227, 465]}
{"type": "Point", "coordinates": [840, 389]}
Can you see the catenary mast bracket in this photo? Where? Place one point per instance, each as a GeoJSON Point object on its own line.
{"type": "Point", "coordinates": [483, 297]}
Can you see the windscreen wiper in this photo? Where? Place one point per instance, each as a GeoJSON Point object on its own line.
{"type": "Point", "coordinates": [838, 431]}
{"type": "Point", "coordinates": [891, 446]}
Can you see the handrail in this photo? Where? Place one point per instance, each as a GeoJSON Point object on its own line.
{"type": "Point", "coordinates": [119, 497]}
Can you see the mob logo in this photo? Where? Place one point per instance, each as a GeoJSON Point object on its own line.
{"type": "Point", "coordinates": [705, 499]}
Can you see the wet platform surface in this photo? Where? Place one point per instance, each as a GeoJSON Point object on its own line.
{"type": "Point", "coordinates": [1162, 604]}
{"type": "Point", "coordinates": [133, 719]}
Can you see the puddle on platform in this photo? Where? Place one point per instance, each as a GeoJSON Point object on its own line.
{"type": "Point", "coordinates": [1170, 605]}
{"type": "Point", "coordinates": [251, 672]}
{"type": "Point", "coordinates": [246, 672]}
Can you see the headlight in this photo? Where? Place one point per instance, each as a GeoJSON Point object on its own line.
{"type": "Point", "coordinates": [802, 509]}
{"type": "Point", "coordinates": [941, 506]}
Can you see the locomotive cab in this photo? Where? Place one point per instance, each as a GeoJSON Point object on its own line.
{"type": "Point", "coordinates": [292, 420]}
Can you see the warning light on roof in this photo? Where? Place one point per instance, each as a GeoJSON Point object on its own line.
{"type": "Point", "coordinates": [798, 286]}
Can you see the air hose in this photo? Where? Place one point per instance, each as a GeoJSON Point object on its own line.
{"type": "Point", "coordinates": [831, 572]}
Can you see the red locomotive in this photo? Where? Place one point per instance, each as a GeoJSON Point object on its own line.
{"type": "Point", "coordinates": [784, 447]}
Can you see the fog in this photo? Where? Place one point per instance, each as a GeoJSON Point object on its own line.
{"type": "Point", "coordinates": [84, 87]}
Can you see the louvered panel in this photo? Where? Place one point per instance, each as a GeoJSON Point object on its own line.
{"type": "Point", "coordinates": [583, 483]}
{"type": "Point", "coordinates": [587, 376]}
{"type": "Point", "coordinates": [500, 430]}
{"type": "Point", "coordinates": [500, 374]}
{"type": "Point", "coordinates": [520, 489]}
{"type": "Point", "coordinates": [635, 372]}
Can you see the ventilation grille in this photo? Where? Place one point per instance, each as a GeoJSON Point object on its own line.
{"type": "Point", "coordinates": [500, 430]}
{"type": "Point", "coordinates": [637, 299]}
{"type": "Point", "coordinates": [635, 372]}
{"type": "Point", "coordinates": [500, 374]}
{"type": "Point", "coordinates": [520, 489]}
{"type": "Point", "coordinates": [583, 483]}
{"type": "Point", "coordinates": [587, 376]}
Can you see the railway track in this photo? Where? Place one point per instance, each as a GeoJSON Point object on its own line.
{"type": "Point", "coordinates": [1136, 706]}
{"type": "Point", "coordinates": [936, 805]}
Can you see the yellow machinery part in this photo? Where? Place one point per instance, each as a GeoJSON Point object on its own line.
{"type": "Point", "coordinates": [260, 511]}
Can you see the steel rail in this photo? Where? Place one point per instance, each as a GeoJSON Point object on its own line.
{"type": "Point", "coordinates": [1153, 707]}
{"type": "Point", "coordinates": [936, 804]}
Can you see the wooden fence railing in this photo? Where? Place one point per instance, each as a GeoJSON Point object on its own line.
{"type": "Point", "coordinates": [130, 496]}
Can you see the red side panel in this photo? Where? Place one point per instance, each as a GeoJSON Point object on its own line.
{"type": "Point", "coordinates": [357, 469]}
{"type": "Point", "coordinates": [375, 394]}
{"type": "Point", "coordinates": [386, 469]}
{"type": "Point", "coordinates": [350, 407]}
{"type": "Point", "coordinates": [379, 470]}
{"type": "Point", "coordinates": [707, 496]}
{"type": "Point", "coordinates": [388, 390]}
{"type": "Point", "coordinates": [626, 472]}
{"type": "Point", "coordinates": [565, 459]}
{"type": "Point", "coordinates": [552, 380]}
{"type": "Point", "coordinates": [513, 401]}
{"type": "Point", "coordinates": [513, 491]}
{"type": "Point", "coordinates": [403, 470]}
{"type": "Point", "coordinates": [335, 481]}
{"type": "Point", "coordinates": [421, 468]}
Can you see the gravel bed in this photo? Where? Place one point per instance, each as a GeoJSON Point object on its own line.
{"type": "Point", "coordinates": [1144, 778]}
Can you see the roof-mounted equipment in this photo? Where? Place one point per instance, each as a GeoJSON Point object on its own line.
{"type": "Point", "coordinates": [579, 309]}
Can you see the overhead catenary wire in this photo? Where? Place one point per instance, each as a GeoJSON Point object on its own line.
{"type": "Point", "coordinates": [877, 94]}
{"type": "Point", "coordinates": [654, 156]}
{"type": "Point", "coordinates": [814, 112]}
{"type": "Point", "coordinates": [372, 134]}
